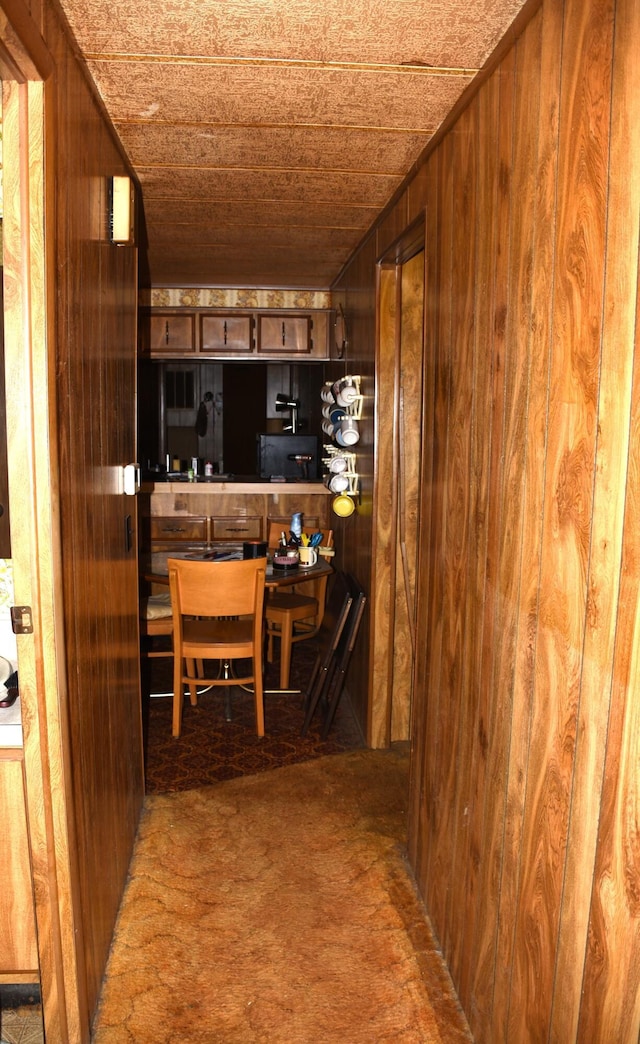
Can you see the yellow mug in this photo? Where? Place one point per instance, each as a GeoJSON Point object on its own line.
{"type": "Point", "coordinates": [343, 505]}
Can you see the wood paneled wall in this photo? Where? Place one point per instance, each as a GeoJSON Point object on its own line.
{"type": "Point", "coordinates": [526, 740]}
{"type": "Point", "coordinates": [95, 355]}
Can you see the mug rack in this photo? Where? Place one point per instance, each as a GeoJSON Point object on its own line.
{"type": "Point", "coordinates": [342, 412]}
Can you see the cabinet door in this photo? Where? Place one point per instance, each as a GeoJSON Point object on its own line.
{"type": "Point", "coordinates": [285, 334]}
{"type": "Point", "coordinates": [172, 333]}
{"type": "Point", "coordinates": [18, 951]}
{"type": "Point", "coordinates": [226, 334]}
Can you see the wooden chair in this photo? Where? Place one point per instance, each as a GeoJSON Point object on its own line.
{"type": "Point", "coordinates": [295, 614]}
{"type": "Point", "coordinates": [217, 615]}
{"type": "Point", "coordinates": [156, 620]}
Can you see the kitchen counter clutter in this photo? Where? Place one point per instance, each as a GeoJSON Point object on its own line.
{"type": "Point", "coordinates": [200, 513]}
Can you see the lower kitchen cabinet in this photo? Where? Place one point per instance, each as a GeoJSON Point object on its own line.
{"type": "Point", "coordinates": [18, 949]}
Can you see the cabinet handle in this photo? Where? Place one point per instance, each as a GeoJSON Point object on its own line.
{"type": "Point", "coordinates": [283, 333]}
{"type": "Point", "coordinates": [166, 332]}
{"type": "Point", "coordinates": [225, 331]}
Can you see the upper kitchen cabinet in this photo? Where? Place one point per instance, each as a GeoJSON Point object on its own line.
{"type": "Point", "coordinates": [205, 333]}
{"type": "Point", "coordinates": [279, 332]}
{"type": "Point", "coordinates": [226, 334]}
{"type": "Point", "coordinates": [171, 333]}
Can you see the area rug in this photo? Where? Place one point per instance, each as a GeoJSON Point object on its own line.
{"type": "Point", "coordinates": [211, 749]}
{"type": "Point", "coordinates": [278, 907]}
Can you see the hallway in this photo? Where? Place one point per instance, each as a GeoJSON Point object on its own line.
{"type": "Point", "coordinates": [278, 907]}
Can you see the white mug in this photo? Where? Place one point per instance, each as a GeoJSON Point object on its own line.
{"type": "Point", "coordinates": [337, 483]}
{"type": "Point", "coordinates": [347, 433]}
{"type": "Point", "coordinates": [308, 557]}
{"type": "Point", "coordinates": [345, 392]}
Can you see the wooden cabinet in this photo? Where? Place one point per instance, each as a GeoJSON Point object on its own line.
{"type": "Point", "coordinates": [18, 949]}
{"type": "Point", "coordinates": [177, 528]}
{"type": "Point", "coordinates": [278, 333]}
{"type": "Point", "coordinates": [172, 333]}
{"type": "Point", "coordinates": [206, 333]}
{"type": "Point", "coordinates": [235, 529]}
{"type": "Point", "coordinates": [226, 334]}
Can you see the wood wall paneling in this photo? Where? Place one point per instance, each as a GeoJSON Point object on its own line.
{"type": "Point", "coordinates": [494, 701]}
{"type": "Point", "coordinates": [95, 348]}
{"type": "Point", "coordinates": [524, 782]}
{"type": "Point", "coordinates": [610, 925]}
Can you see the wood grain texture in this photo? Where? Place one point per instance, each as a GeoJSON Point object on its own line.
{"type": "Point", "coordinates": [93, 385]}
{"type": "Point", "coordinates": [18, 950]}
{"type": "Point", "coordinates": [409, 363]}
{"type": "Point", "coordinates": [383, 573]}
{"type": "Point", "coordinates": [524, 784]}
{"type": "Point", "coordinates": [492, 739]}
{"type": "Point", "coordinates": [483, 445]}
{"type": "Point", "coordinates": [32, 485]}
{"type": "Point", "coordinates": [611, 981]}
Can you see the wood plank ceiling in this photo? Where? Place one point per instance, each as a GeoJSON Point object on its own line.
{"type": "Point", "coordinates": [267, 135]}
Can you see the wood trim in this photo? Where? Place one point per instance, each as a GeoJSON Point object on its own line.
{"type": "Point", "coordinates": [29, 445]}
{"type": "Point", "coordinates": [23, 53]}
{"type": "Point", "coordinates": [385, 500]}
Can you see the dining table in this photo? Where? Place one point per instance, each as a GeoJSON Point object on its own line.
{"type": "Point", "coordinates": [157, 571]}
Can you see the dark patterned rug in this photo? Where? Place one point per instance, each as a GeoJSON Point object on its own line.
{"type": "Point", "coordinates": [211, 749]}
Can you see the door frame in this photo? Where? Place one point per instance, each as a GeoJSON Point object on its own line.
{"type": "Point", "coordinates": [386, 531]}
{"type": "Point", "coordinates": [35, 530]}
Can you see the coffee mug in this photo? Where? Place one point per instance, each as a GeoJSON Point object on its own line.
{"type": "Point", "coordinates": [343, 505]}
{"type": "Point", "coordinates": [347, 432]}
{"type": "Point", "coordinates": [338, 464]}
{"type": "Point", "coordinates": [345, 392]}
{"type": "Point", "coordinates": [308, 557]}
{"type": "Point", "coordinates": [337, 483]}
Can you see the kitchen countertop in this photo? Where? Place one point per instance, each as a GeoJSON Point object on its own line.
{"type": "Point", "coordinates": [234, 484]}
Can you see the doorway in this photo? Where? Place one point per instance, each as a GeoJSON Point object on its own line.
{"type": "Point", "coordinates": [399, 373]}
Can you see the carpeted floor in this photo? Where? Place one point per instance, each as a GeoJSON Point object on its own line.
{"type": "Point", "coordinates": [20, 1014]}
{"type": "Point", "coordinates": [212, 749]}
{"type": "Point", "coordinates": [278, 907]}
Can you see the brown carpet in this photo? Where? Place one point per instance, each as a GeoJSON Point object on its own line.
{"type": "Point", "coordinates": [278, 907]}
{"type": "Point", "coordinates": [212, 749]}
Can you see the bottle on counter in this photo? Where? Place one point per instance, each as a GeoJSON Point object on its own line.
{"type": "Point", "coordinates": [296, 525]}
{"type": "Point", "coordinates": [208, 469]}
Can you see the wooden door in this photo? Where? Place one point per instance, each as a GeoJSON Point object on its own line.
{"type": "Point", "coordinates": [5, 535]}
{"type": "Point", "coordinates": [70, 321]}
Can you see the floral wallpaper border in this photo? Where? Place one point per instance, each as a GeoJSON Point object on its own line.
{"type": "Point", "coordinates": [219, 297]}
